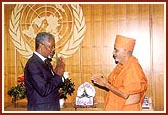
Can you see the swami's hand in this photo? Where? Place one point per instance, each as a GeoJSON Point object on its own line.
{"type": "Point", "coordinates": [99, 79]}
{"type": "Point", "coordinates": [60, 67]}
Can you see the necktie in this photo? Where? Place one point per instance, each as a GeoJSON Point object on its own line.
{"type": "Point", "coordinates": [48, 63]}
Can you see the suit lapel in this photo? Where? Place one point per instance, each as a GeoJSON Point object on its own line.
{"type": "Point", "coordinates": [40, 61]}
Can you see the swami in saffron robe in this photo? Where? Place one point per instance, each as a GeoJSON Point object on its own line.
{"type": "Point", "coordinates": [130, 79]}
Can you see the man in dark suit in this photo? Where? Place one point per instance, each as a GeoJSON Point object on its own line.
{"type": "Point", "coordinates": [43, 82]}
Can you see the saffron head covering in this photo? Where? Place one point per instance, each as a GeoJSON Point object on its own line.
{"type": "Point", "coordinates": [124, 42]}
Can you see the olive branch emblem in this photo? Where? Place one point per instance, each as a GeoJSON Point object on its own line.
{"type": "Point", "coordinates": [68, 49]}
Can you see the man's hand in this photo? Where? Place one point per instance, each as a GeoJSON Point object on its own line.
{"type": "Point", "coordinates": [60, 67]}
{"type": "Point", "coordinates": [102, 81]}
{"type": "Point", "coordinates": [99, 79]}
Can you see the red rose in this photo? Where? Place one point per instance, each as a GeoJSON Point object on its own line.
{"type": "Point", "coordinates": [20, 79]}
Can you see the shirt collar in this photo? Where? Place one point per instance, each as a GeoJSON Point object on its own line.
{"type": "Point", "coordinates": [40, 56]}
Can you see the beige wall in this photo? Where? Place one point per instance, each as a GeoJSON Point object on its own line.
{"type": "Point", "coordinates": [143, 22]}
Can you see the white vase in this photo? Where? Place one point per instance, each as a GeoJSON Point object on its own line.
{"type": "Point", "coordinates": [61, 101]}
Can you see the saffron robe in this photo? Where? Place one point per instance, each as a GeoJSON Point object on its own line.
{"type": "Point", "coordinates": [130, 79]}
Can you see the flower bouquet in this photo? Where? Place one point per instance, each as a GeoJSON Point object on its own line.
{"type": "Point", "coordinates": [18, 92]}
{"type": "Point", "coordinates": [67, 88]}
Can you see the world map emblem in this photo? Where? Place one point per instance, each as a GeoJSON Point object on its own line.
{"type": "Point", "coordinates": [65, 21]}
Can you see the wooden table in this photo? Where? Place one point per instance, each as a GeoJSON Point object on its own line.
{"type": "Point", "coordinates": [22, 106]}
{"type": "Point", "coordinates": [73, 107]}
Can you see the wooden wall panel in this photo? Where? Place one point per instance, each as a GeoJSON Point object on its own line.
{"type": "Point", "coordinates": [103, 22]}
{"type": "Point", "coordinates": [159, 55]}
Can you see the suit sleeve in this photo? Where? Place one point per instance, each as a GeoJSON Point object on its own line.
{"type": "Point", "coordinates": [38, 78]}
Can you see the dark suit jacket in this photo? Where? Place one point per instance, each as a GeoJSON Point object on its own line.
{"type": "Point", "coordinates": [41, 85]}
